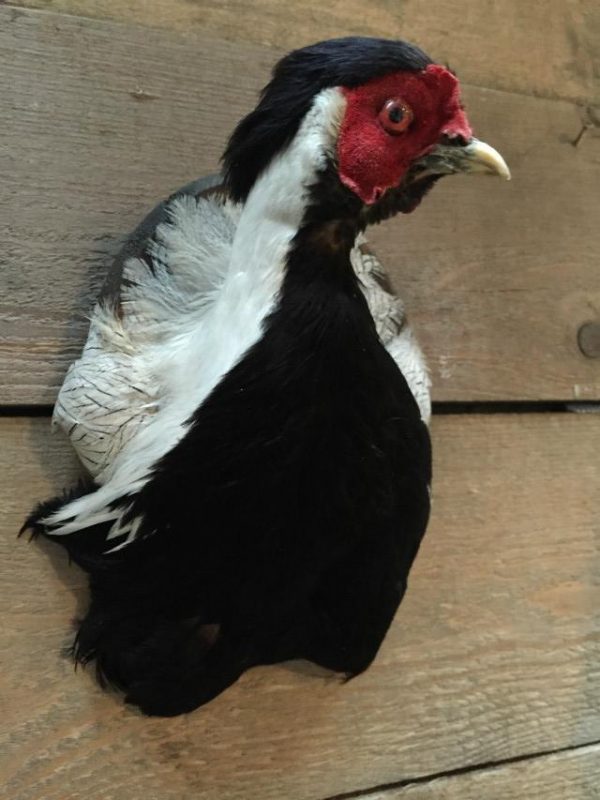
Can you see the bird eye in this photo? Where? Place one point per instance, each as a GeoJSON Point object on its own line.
{"type": "Point", "coordinates": [396, 116]}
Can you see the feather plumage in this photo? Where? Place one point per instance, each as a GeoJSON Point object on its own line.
{"type": "Point", "coordinates": [252, 406]}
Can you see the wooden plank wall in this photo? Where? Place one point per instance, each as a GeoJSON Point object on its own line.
{"type": "Point", "coordinates": [495, 653]}
{"type": "Point", "coordinates": [131, 113]}
{"type": "Point", "coordinates": [488, 683]}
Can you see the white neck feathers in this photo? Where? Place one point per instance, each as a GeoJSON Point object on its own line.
{"type": "Point", "coordinates": [202, 348]}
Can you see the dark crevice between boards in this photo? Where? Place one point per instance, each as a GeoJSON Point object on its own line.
{"type": "Point", "coordinates": [515, 407]}
{"type": "Point", "coordinates": [440, 409]}
{"type": "Point", "coordinates": [25, 410]}
{"type": "Point", "coordinates": [454, 773]}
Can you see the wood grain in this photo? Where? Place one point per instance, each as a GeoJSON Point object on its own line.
{"type": "Point", "coordinates": [101, 120]}
{"type": "Point", "coordinates": [565, 776]}
{"type": "Point", "coordinates": [544, 47]}
{"type": "Point", "coordinates": [494, 654]}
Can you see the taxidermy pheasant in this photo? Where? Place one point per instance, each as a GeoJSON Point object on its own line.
{"type": "Point", "coordinates": [250, 404]}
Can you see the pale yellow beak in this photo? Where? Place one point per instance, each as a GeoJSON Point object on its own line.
{"type": "Point", "coordinates": [473, 157]}
{"type": "Point", "coordinates": [480, 157]}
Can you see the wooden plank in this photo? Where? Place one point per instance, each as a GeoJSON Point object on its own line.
{"type": "Point", "coordinates": [495, 652]}
{"type": "Point", "coordinates": [498, 277]}
{"type": "Point", "coordinates": [574, 775]}
{"type": "Point", "coordinates": [544, 48]}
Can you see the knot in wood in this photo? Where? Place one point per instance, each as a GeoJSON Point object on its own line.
{"type": "Point", "coordinates": [588, 339]}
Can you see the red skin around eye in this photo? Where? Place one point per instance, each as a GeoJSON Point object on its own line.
{"type": "Point", "coordinates": [370, 159]}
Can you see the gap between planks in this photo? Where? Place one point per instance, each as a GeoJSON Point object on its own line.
{"type": "Point", "coordinates": [390, 789]}
{"type": "Point", "coordinates": [438, 408]}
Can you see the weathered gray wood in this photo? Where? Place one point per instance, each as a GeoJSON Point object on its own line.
{"type": "Point", "coordinates": [574, 775]}
{"type": "Point", "coordinates": [547, 48]}
{"type": "Point", "coordinates": [498, 277]}
{"type": "Point", "coordinates": [100, 120]}
{"type": "Point", "coordinates": [494, 653]}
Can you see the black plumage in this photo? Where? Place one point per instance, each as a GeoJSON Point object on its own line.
{"type": "Point", "coordinates": [311, 567]}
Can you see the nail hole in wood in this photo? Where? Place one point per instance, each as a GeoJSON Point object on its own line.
{"type": "Point", "coordinates": [588, 338]}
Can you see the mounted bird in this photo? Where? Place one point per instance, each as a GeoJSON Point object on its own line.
{"type": "Point", "coordinates": [251, 405]}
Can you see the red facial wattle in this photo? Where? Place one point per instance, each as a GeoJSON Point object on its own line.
{"type": "Point", "coordinates": [372, 159]}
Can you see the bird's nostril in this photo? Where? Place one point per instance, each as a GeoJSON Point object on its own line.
{"type": "Point", "coordinates": [456, 139]}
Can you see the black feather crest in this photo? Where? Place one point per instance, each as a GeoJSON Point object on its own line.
{"type": "Point", "coordinates": [286, 99]}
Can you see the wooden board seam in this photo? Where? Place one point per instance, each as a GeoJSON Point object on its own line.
{"type": "Point", "coordinates": [469, 769]}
